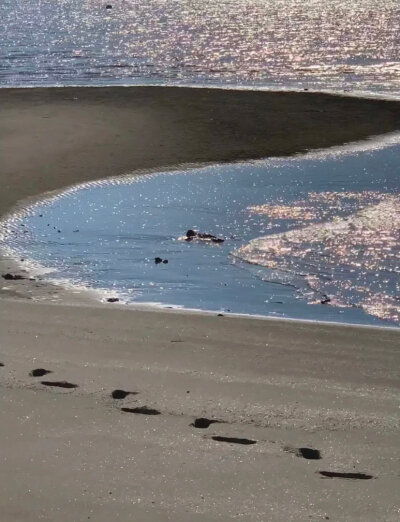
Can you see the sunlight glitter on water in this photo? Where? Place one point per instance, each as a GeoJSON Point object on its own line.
{"type": "Point", "coordinates": [330, 44]}
{"type": "Point", "coordinates": [106, 235]}
{"type": "Point", "coordinates": [354, 260]}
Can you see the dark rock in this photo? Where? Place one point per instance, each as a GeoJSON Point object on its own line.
{"type": "Point", "coordinates": [203, 423]}
{"type": "Point", "coordinates": [325, 299]}
{"type": "Point", "coordinates": [234, 440]}
{"type": "Point", "coordinates": [193, 234]}
{"type": "Point", "coordinates": [165, 261]}
{"type": "Point", "coordinates": [157, 260]}
{"type": "Point", "coordinates": [1, 364]}
{"type": "Point", "coordinates": [220, 315]}
{"type": "Point", "coordinates": [108, 6]}
{"type": "Point", "coordinates": [353, 476]}
{"type": "Point", "coordinates": [144, 410]}
{"type": "Point", "coordinates": [39, 372]}
{"type": "Point", "coordinates": [13, 277]}
{"type": "Point", "coordinates": [112, 300]}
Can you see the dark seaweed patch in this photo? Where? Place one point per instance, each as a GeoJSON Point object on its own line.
{"type": "Point", "coordinates": [144, 410]}
{"type": "Point", "coordinates": [353, 476]}
{"type": "Point", "coordinates": [234, 440]}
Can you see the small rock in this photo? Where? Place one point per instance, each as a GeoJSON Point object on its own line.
{"type": "Point", "coordinates": [193, 234]}
{"type": "Point", "coordinates": [112, 300]}
{"type": "Point", "coordinates": [108, 6]}
{"type": "Point", "coordinates": [165, 261]}
{"type": "Point", "coordinates": [158, 260]}
{"type": "Point", "coordinates": [325, 299]}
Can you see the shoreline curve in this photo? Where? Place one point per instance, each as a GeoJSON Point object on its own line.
{"type": "Point", "coordinates": [51, 138]}
{"type": "Point", "coordinates": [284, 384]}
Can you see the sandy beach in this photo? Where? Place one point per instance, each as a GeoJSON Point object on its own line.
{"type": "Point", "coordinates": [305, 416]}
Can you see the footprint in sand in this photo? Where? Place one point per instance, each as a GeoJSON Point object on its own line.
{"type": "Point", "coordinates": [203, 423]}
{"type": "Point", "coordinates": [144, 410]}
{"type": "Point", "coordinates": [39, 372]}
{"type": "Point", "coordinates": [121, 394]}
{"type": "Point", "coordinates": [234, 440]}
{"type": "Point", "coordinates": [59, 384]}
{"type": "Point", "coordinates": [352, 476]}
{"type": "Point", "coordinates": [305, 453]}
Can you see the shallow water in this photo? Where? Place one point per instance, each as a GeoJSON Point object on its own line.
{"type": "Point", "coordinates": [319, 44]}
{"type": "Point", "coordinates": [108, 235]}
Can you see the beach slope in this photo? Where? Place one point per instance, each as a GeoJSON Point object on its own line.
{"type": "Point", "coordinates": [75, 454]}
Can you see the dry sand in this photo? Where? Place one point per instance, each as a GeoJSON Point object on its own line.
{"type": "Point", "coordinates": [71, 454]}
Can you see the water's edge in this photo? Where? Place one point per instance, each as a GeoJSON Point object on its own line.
{"type": "Point", "coordinates": [65, 292]}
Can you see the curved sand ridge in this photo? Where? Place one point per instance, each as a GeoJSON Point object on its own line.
{"type": "Point", "coordinates": [54, 137]}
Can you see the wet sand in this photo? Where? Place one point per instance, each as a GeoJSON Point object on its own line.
{"type": "Point", "coordinates": [77, 453]}
{"type": "Point", "coordinates": [51, 138]}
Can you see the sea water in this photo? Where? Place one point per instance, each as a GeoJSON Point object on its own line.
{"type": "Point", "coordinates": [298, 232]}
{"type": "Point", "coordinates": [108, 236]}
{"type": "Point", "coordinates": [342, 45]}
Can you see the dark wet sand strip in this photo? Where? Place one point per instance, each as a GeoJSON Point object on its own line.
{"type": "Point", "coordinates": [54, 137]}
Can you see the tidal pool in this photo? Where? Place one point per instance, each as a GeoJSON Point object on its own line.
{"type": "Point", "coordinates": [282, 255]}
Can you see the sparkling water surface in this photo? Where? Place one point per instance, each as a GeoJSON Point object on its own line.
{"type": "Point", "coordinates": [108, 235]}
{"type": "Point", "coordinates": [319, 44]}
{"type": "Point", "coordinates": [297, 231]}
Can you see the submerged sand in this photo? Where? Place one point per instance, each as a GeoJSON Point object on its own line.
{"type": "Point", "coordinates": [72, 453]}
